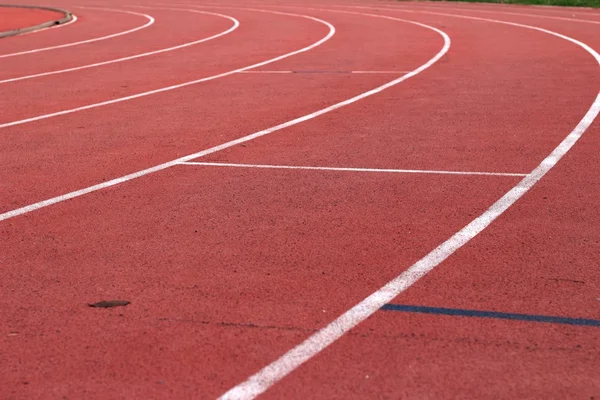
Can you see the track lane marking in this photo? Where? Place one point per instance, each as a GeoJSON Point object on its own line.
{"type": "Point", "coordinates": [314, 344]}
{"type": "Point", "coordinates": [320, 72]}
{"type": "Point", "coordinates": [235, 25]}
{"type": "Point", "coordinates": [61, 46]}
{"type": "Point", "coordinates": [348, 169]}
{"type": "Point", "coordinates": [267, 72]}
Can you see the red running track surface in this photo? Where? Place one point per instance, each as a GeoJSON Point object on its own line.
{"type": "Point", "coordinates": [227, 268]}
{"type": "Point", "coordinates": [13, 18]}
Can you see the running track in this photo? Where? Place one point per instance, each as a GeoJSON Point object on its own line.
{"type": "Point", "coordinates": [468, 127]}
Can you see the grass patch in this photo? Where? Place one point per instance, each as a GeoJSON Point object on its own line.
{"type": "Point", "coordinates": [569, 3]}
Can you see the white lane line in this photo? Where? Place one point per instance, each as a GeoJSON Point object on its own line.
{"type": "Point", "coordinates": [379, 72]}
{"type": "Point", "coordinates": [266, 72]}
{"type": "Point", "coordinates": [278, 369]}
{"type": "Point", "coordinates": [147, 24]}
{"type": "Point", "coordinates": [160, 167]}
{"type": "Point", "coordinates": [184, 84]}
{"type": "Point", "coordinates": [345, 169]}
{"type": "Point", "coordinates": [235, 25]}
{"type": "Point", "coordinates": [320, 72]}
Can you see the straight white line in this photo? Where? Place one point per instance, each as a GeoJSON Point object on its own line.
{"type": "Point", "coordinates": [184, 84]}
{"type": "Point", "coordinates": [278, 369]}
{"type": "Point", "coordinates": [384, 170]}
{"type": "Point", "coordinates": [321, 72]}
{"type": "Point", "coordinates": [58, 199]}
{"type": "Point", "coordinates": [147, 24]}
{"type": "Point", "coordinates": [379, 72]}
{"type": "Point", "coordinates": [266, 72]}
{"type": "Point", "coordinates": [235, 25]}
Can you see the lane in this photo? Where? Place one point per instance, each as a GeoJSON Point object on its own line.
{"type": "Point", "coordinates": [376, 56]}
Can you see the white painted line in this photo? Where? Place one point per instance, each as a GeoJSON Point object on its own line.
{"type": "Point", "coordinates": [382, 170]}
{"type": "Point", "coordinates": [320, 72]}
{"type": "Point", "coordinates": [160, 167]}
{"type": "Point", "coordinates": [266, 72]}
{"type": "Point", "coordinates": [379, 72]}
{"type": "Point", "coordinates": [189, 83]}
{"type": "Point", "coordinates": [147, 24]}
{"type": "Point", "coordinates": [278, 369]}
{"type": "Point", "coordinates": [235, 25]}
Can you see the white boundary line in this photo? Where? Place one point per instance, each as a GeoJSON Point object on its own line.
{"type": "Point", "coordinates": [235, 25]}
{"type": "Point", "coordinates": [147, 24]}
{"type": "Point", "coordinates": [308, 72]}
{"type": "Point", "coordinates": [278, 369]}
{"type": "Point", "coordinates": [189, 83]}
{"type": "Point", "coordinates": [58, 199]}
{"type": "Point", "coordinates": [379, 72]}
{"type": "Point", "coordinates": [267, 72]}
{"type": "Point", "coordinates": [346, 169]}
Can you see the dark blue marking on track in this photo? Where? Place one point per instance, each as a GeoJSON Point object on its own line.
{"type": "Point", "coordinates": [491, 314]}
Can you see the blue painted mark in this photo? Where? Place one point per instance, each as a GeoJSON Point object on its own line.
{"type": "Point", "coordinates": [491, 314]}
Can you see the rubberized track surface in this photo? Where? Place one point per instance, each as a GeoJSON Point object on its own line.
{"type": "Point", "coordinates": [18, 18]}
{"type": "Point", "coordinates": [245, 188]}
{"type": "Point", "coordinates": [12, 18]}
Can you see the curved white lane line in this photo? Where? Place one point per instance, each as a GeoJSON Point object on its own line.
{"type": "Point", "coordinates": [180, 85]}
{"type": "Point", "coordinates": [60, 46]}
{"type": "Point", "coordinates": [235, 25]}
{"type": "Point", "coordinates": [274, 372]}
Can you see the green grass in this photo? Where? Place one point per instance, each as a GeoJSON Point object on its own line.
{"type": "Point", "coordinates": [570, 3]}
